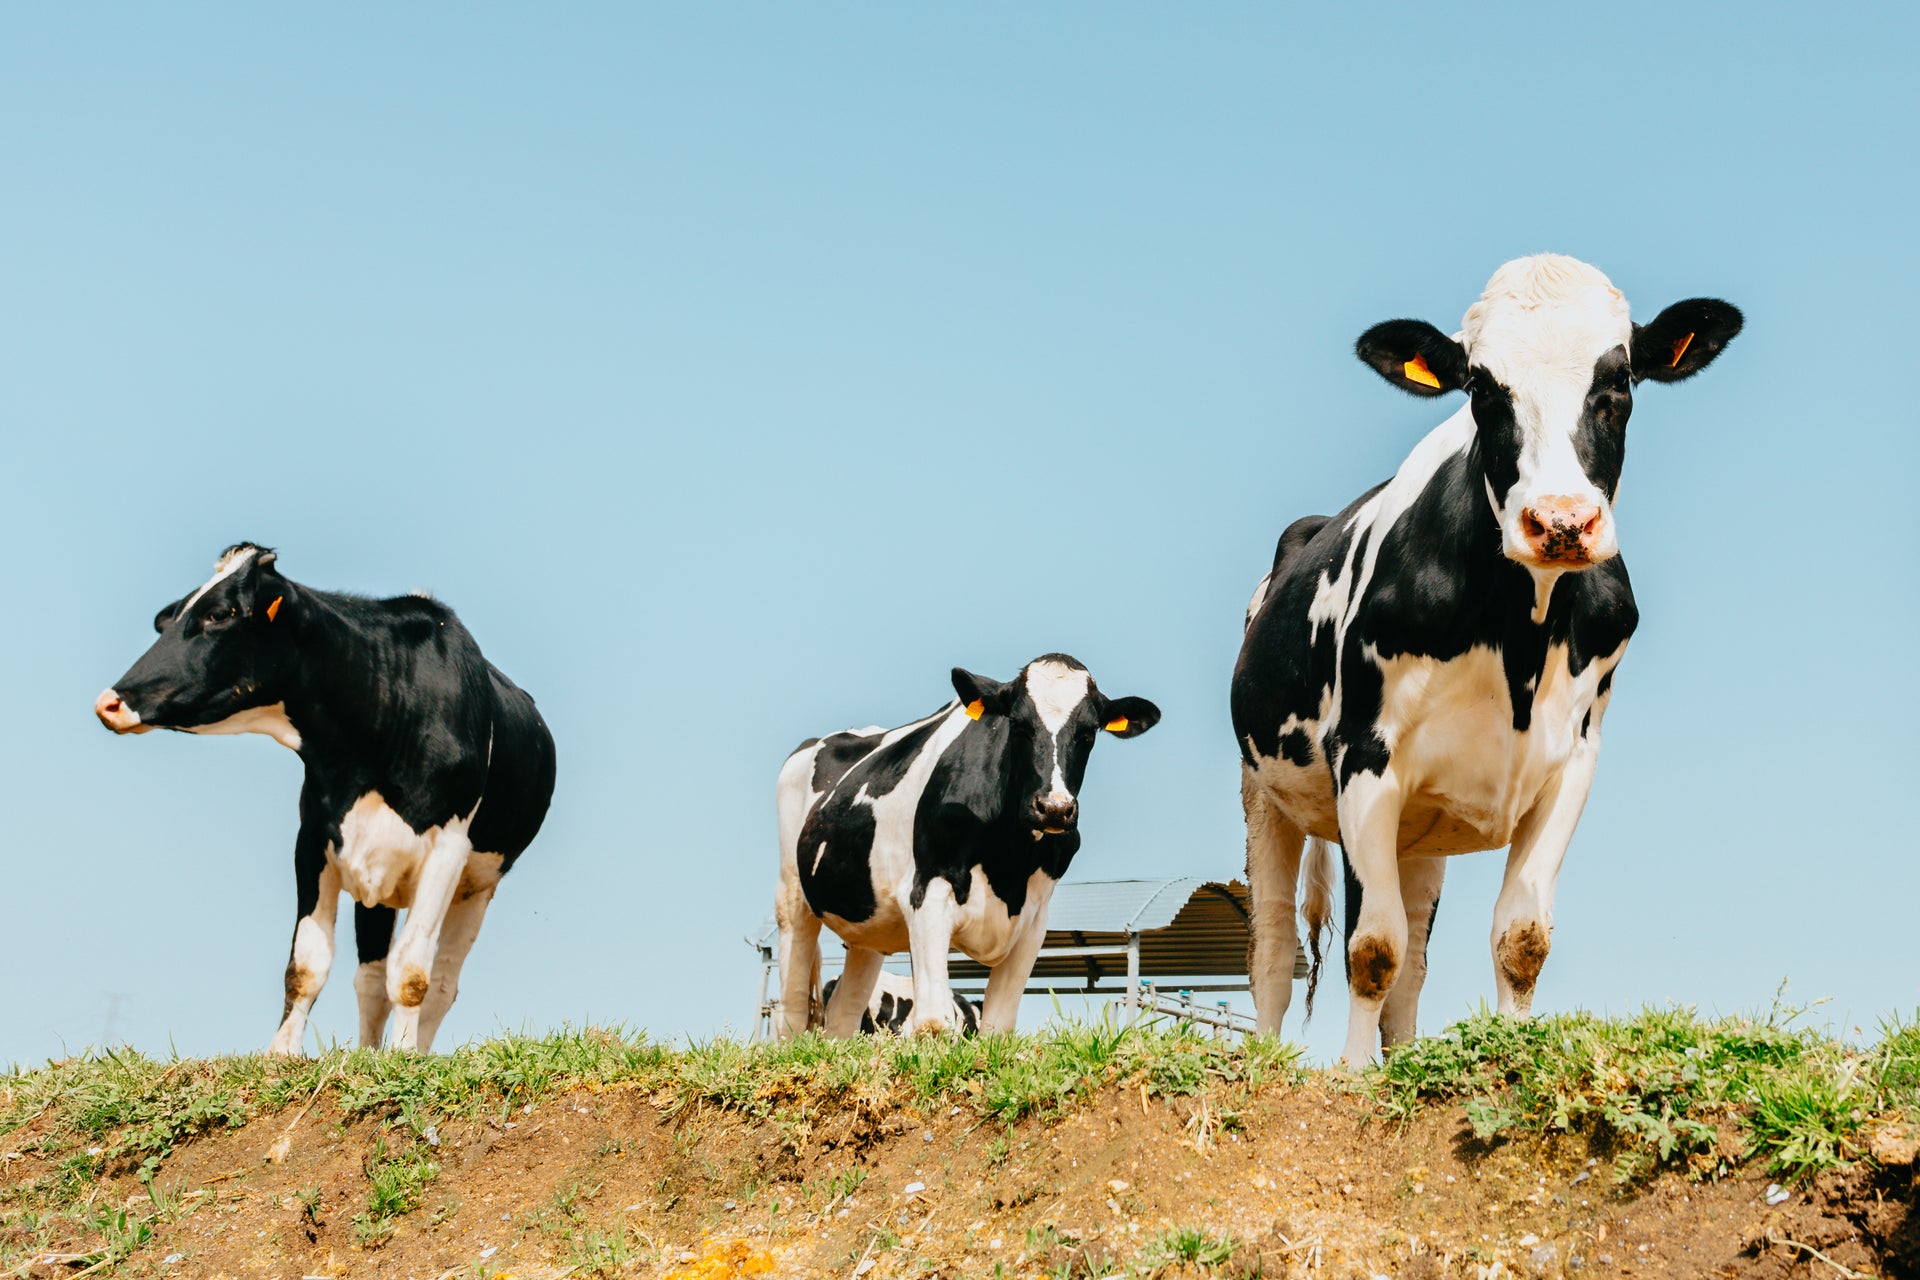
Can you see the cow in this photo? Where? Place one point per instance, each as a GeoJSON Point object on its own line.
{"type": "Point", "coordinates": [1425, 674]}
{"type": "Point", "coordinates": [428, 772]}
{"type": "Point", "coordinates": [891, 1004]}
{"type": "Point", "coordinates": [950, 831]}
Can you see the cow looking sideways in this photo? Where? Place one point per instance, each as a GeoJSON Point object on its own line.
{"type": "Point", "coordinates": [947, 832]}
{"type": "Point", "coordinates": [1425, 673]}
{"type": "Point", "coordinates": [427, 771]}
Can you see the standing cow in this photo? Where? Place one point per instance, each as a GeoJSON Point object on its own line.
{"type": "Point", "coordinates": [1425, 673]}
{"type": "Point", "coordinates": [947, 832]}
{"type": "Point", "coordinates": [427, 771]}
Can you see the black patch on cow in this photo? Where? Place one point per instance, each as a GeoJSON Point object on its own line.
{"type": "Point", "coordinates": [1296, 748]}
{"type": "Point", "coordinates": [838, 753]}
{"type": "Point", "coordinates": [372, 932]}
{"type": "Point", "coordinates": [1600, 437]}
{"type": "Point", "coordinates": [839, 881]}
{"type": "Point", "coordinates": [1497, 436]}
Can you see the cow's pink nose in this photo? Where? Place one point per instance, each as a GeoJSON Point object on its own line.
{"type": "Point", "coordinates": [1559, 530]}
{"type": "Point", "coordinates": [115, 714]}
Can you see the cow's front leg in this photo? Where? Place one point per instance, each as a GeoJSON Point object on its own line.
{"type": "Point", "coordinates": [1007, 981]}
{"type": "Point", "coordinates": [1523, 915]}
{"type": "Point", "coordinates": [929, 937]}
{"type": "Point", "coordinates": [1420, 880]}
{"type": "Point", "coordinates": [317, 898]}
{"type": "Point", "coordinates": [1369, 806]}
{"type": "Point", "coordinates": [1273, 873]}
{"type": "Point", "coordinates": [410, 964]}
{"type": "Point", "coordinates": [372, 939]}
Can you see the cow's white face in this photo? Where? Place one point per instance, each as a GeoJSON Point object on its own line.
{"type": "Point", "coordinates": [1550, 355]}
{"type": "Point", "coordinates": [1547, 349]}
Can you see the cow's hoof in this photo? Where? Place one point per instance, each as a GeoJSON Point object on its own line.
{"type": "Point", "coordinates": [414, 982]}
{"type": "Point", "coordinates": [931, 1029]}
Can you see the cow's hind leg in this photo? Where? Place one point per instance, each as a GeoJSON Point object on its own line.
{"type": "Point", "coordinates": [317, 898]}
{"type": "Point", "coordinates": [853, 991]}
{"type": "Point", "coordinates": [799, 962]}
{"type": "Point", "coordinates": [1273, 874]}
{"type": "Point", "coordinates": [1370, 807]}
{"type": "Point", "coordinates": [1523, 915]}
{"type": "Point", "coordinates": [456, 940]}
{"type": "Point", "coordinates": [410, 963]}
{"type": "Point", "coordinates": [1420, 889]}
{"type": "Point", "coordinates": [372, 939]}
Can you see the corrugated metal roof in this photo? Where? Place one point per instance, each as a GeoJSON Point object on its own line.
{"type": "Point", "coordinates": [1189, 927]}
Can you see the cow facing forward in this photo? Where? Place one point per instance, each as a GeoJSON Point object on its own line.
{"type": "Point", "coordinates": [427, 771]}
{"type": "Point", "coordinates": [1425, 673]}
{"type": "Point", "coordinates": [947, 832]}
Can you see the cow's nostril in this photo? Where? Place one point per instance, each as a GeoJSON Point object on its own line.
{"type": "Point", "coordinates": [1531, 524]}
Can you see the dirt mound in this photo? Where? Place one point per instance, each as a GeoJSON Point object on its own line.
{"type": "Point", "coordinates": [1303, 1179]}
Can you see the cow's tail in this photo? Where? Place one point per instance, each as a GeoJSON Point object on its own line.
{"type": "Point", "coordinates": [1316, 906]}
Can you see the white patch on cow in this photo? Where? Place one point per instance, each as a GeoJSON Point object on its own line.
{"type": "Point", "coordinates": [229, 564]}
{"type": "Point", "coordinates": [309, 963]}
{"type": "Point", "coordinates": [270, 720]}
{"type": "Point", "coordinates": [379, 856]}
{"type": "Point", "coordinates": [1057, 691]}
{"type": "Point", "coordinates": [1539, 327]}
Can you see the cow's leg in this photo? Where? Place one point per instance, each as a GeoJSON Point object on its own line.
{"type": "Point", "coordinates": [799, 963]}
{"type": "Point", "coordinates": [317, 898]}
{"type": "Point", "coordinates": [410, 964]}
{"type": "Point", "coordinates": [853, 991]}
{"type": "Point", "coordinates": [372, 939]}
{"type": "Point", "coordinates": [1273, 873]}
{"type": "Point", "coordinates": [929, 937]}
{"type": "Point", "coordinates": [1007, 981]}
{"type": "Point", "coordinates": [1523, 915]}
{"type": "Point", "coordinates": [1369, 806]}
{"type": "Point", "coordinates": [456, 940]}
{"type": "Point", "coordinates": [1420, 889]}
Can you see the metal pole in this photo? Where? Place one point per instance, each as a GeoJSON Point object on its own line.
{"type": "Point", "coordinates": [1133, 976]}
{"type": "Point", "coordinates": [763, 1023]}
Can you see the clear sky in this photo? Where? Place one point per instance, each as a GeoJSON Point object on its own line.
{"type": "Point", "coordinates": [735, 371]}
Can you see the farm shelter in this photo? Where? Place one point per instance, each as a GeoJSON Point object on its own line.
{"type": "Point", "coordinates": [1132, 939]}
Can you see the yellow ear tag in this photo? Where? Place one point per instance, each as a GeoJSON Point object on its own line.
{"type": "Point", "coordinates": [274, 607]}
{"type": "Point", "coordinates": [1680, 349]}
{"type": "Point", "coordinates": [976, 709]}
{"type": "Point", "coordinates": [1117, 725]}
{"type": "Point", "coordinates": [1417, 371]}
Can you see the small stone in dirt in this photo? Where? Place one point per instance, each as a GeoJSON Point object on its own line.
{"type": "Point", "coordinates": [282, 1148]}
{"type": "Point", "coordinates": [489, 1251]}
{"type": "Point", "coordinates": [171, 1258]}
{"type": "Point", "coordinates": [1777, 1194]}
{"type": "Point", "coordinates": [731, 1205]}
{"type": "Point", "coordinates": [1116, 1185]}
{"type": "Point", "coordinates": [1581, 1177]}
{"type": "Point", "coordinates": [1544, 1257]}
{"type": "Point", "coordinates": [1606, 1259]}
{"type": "Point", "coordinates": [1528, 1240]}
{"type": "Point", "coordinates": [913, 1188]}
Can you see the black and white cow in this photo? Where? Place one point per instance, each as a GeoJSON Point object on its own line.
{"type": "Point", "coordinates": [427, 771]}
{"type": "Point", "coordinates": [1425, 673]}
{"type": "Point", "coordinates": [891, 1004]}
{"type": "Point", "coordinates": [947, 832]}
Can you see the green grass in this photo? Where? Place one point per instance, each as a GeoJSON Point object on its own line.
{"type": "Point", "coordinates": [1187, 1246]}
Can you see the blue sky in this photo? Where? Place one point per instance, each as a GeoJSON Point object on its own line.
{"type": "Point", "coordinates": [737, 371]}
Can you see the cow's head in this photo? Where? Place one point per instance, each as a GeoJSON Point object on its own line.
{"type": "Point", "coordinates": [1049, 715]}
{"type": "Point", "coordinates": [1550, 356]}
{"type": "Point", "coordinates": [223, 652]}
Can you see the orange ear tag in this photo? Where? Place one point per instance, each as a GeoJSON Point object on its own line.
{"type": "Point", "coordinates": [976, 709]}
{"type": "Point", "coordinates": [274, 608]}
{"type": "Point", "coordinates": [1117, 725]}
{"type": "Point", "coordinates": [1680, 349]}
{"type": "Point", "coordinates": [1417, 371]}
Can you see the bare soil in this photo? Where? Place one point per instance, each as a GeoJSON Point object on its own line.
{"type": "Point", "coordinates": [1306, 1179]}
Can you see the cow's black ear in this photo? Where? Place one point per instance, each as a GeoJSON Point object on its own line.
{"type": "Point", "coordinates": [1414, 356]}
{"type": "Point", "coordinates": [1130, 717]}
{"type": "Point", "coordinates": [1683, 339]}
{"type": "Point", "coordinates": [166, 615]}
{"type": "Point", "coordinates": [979, 695]}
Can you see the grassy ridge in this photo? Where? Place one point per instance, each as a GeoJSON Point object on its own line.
{"type": "Point", "coordinates": [1665, 1089]}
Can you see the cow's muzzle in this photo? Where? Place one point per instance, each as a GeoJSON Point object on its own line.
{"type": "Point", "coordinates": [1053, 815]}
{"type": "Point", "coordinates": [1562, 532]}
{"type": "Point", "coordinates": [117, 715]}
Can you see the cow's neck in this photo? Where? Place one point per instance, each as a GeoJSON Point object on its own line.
{"type": "Point", "coordinates": [335, 691]}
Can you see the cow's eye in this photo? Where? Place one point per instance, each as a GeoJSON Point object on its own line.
{"type": "Point", "coordinates": [220, 617]}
